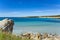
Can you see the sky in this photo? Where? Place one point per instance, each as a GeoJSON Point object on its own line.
{"type": "Point", "coordinates": [20, 8]}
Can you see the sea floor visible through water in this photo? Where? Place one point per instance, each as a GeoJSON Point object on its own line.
{"type": "Point", "coordinates": [37, 26]}
{"type": "Point", "coordinates": [42, 25]}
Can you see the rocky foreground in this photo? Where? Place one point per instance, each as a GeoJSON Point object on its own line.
{"type": "Point", "coordinates": [39, 36]}
{"type": "Point", "coordinates": [28, 36]}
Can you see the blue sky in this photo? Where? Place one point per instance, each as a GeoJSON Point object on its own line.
{"type": "Point", "coordinates": [18, 8]}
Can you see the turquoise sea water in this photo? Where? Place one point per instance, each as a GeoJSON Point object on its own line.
{"type": "Point", "coordinates": [34, 25]}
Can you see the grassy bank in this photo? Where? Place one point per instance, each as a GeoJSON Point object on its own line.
{"type": "Point", "coordinates": [7, 36]}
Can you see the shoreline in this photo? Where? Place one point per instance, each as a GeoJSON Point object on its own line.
{"type": "Point", "coordinates": [29, 36]}
{"type": "Point", "coordinates": [50, 16]}
{"type": "Point", "coordinates": [39, 36]}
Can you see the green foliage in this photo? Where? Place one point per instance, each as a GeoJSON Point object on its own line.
{"type": "Point", "coordinates": [7, 36]}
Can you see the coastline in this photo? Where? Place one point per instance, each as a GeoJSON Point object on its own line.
{"type": "Point", "coordinates": [31, 36]}
{"type": "Point", "coordinates": [39, 36]}
{"type": "Point", "coordinates": [53, 16]}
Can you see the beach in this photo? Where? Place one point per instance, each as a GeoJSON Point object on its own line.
{"type": "Point", "coordinates": [36, 28]}
{"type": "Point", "coordinates": [37, 25]}
{"type": "Point", "coordinates": [29, 19]}
{"type": "Point", "coordinates": [34, 25]}
{"type": "Point", "coordinates": [50, 26]}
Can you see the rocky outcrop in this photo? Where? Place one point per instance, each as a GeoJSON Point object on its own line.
{"type": "Point", "coordinates": [7, 25]}
{"type": "Point", "coordinates": [39, 36]}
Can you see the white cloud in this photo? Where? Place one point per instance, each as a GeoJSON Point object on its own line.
{"type": "Point", "coordinates": [10, 14]}
{"type": "Point", "coordinates": [30, 13]}
{"type": "Point", "coordinates": [38, 11]}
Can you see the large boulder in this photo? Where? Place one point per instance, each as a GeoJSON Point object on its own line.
{"type": "Point", "coordinates": [7, 25]}
{"type": "Point", "coordinates": [4, 23]}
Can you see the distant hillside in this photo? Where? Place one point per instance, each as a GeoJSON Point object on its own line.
{"type": "Point", "coordinates": [54, 16]}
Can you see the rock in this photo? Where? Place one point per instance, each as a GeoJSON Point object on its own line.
{"type": "Point", "coordinates": [38, 36]}
{"type": "Point", "coordinates": [7, 25]}
{"type": "Point", "coordinates": [48, 39]}
{"type": "Point", "coordinates": [26, 35]}
{"type": "Point", "coordinates": [3, 23]}
{"type": "Point", "coordinates": [45, 35]}
{"type": "Point", "coordinates": [10, 26]}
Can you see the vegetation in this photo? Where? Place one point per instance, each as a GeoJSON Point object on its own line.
{"type": "Point", "coordinates": [52, 16]}
{"type": "Point", "coordinates": [7, 36]}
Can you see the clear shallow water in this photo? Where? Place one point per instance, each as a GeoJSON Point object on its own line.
{"type": "Point", "coordinates": [41, 25]}
{"type": "Point", "coordinates": [37, 26]}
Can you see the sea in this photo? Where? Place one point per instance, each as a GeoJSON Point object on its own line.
{"type": "Point", "coordinates": [34, 25]}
